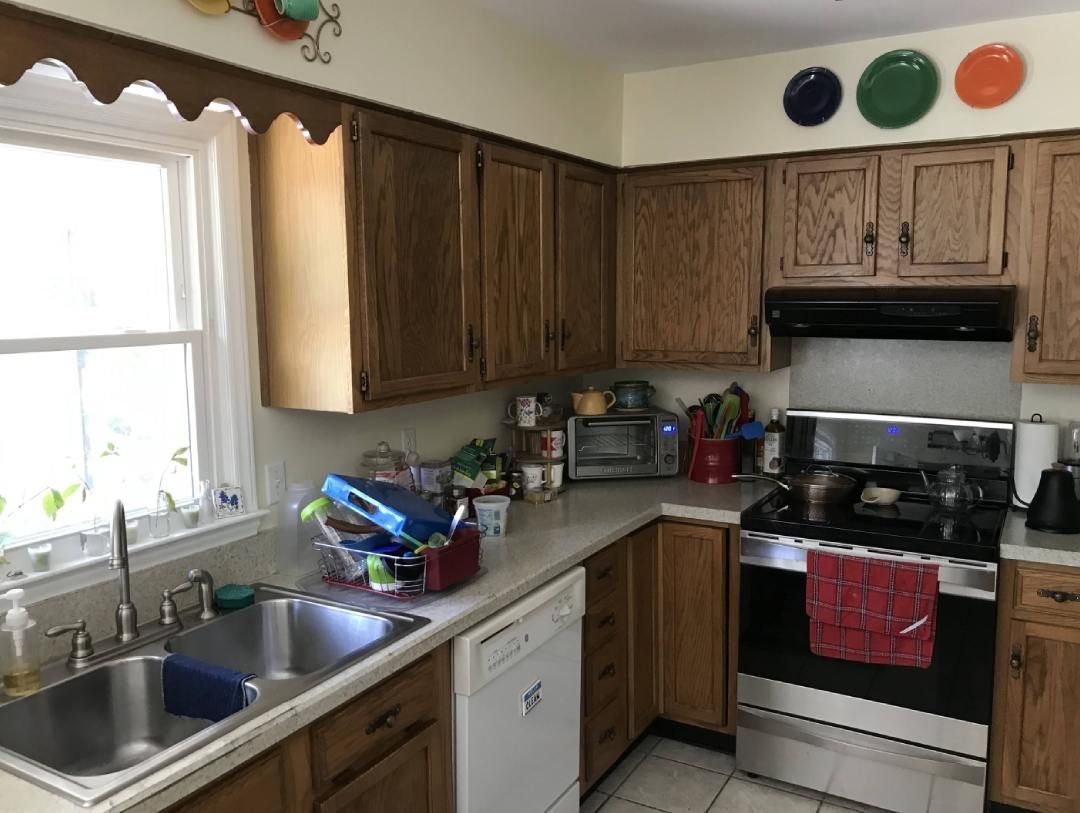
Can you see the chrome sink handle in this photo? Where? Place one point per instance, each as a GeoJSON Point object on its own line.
{"type": "Point", "coordinates": [168, 615]}
{"type": "Point", "coordinates": [205, 583]}
{"type": "Point", "coordinates": [82, 645]}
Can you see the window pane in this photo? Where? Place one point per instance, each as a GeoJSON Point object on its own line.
{"type": "Point", "coordinates": [73, 405]}
{"type": "Point", "coordinates": [84, 244]}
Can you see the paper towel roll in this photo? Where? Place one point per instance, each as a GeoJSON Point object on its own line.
{"type": "Point", "coordinates": [1036, 449]}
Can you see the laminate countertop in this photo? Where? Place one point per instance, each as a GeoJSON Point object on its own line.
{"type": "Point", "coordinates": [1022, 544]}
{"type": "Point", "coordinates": [543, 542]}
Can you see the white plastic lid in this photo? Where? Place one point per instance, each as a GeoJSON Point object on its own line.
{"type": "Point", "coordinates": [17, 618]}
{"type": "Point", "coordinates": [774, 413]}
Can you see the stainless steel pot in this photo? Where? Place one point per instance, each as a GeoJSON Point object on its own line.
{"type": "Point", "coordinates": [816, 487]}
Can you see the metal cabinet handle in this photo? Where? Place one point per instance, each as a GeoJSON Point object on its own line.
{"type": "Point", "coordinates": [606, 572]}
{"type": "Point", "coordinates": [607, 621]}
{"type": "Point", "coordinates": [549, 335]}
{"type": "Point", "coordinates": [753, 331]}
{"type": "Point", "coordinates": [870, 239]}
{"type": "Point", "coordinates": [1033, 334]}
{"type": "Point", "coordinates": [607, 672]}
{"type": "Point", "coordinates": [608, 735]}
{"type": "Point", "coordinates": [1016, 662]}
{"type": "Point", "coordinates": [473, 342]}
{"type": "Point", "coordinates": [905, 238]}
{"type": "Point", "coordinates": [564, 335]}
{"type": "Point", "coordinates": [386, 720]}
{"type": "Point", "coordinates": [1060, 596]}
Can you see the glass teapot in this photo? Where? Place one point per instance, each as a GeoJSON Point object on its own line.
{"type": "Point", "coordinates": [952, 492]}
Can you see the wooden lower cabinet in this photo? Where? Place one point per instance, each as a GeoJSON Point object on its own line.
{"type": "Point", "coordinates": [643, 599]}
{"type": "Point", "coordinates": [388, 751]}
{"type": "Point", "coordinates": [1037, 694]}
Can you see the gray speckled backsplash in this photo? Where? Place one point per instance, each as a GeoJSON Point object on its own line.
{"type": "Point", "coordinates": [243, 562]}
{"type": "Point", "coordinates": [948, 379]}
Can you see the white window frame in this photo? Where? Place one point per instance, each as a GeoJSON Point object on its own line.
{"type": "Point", "coordinates": [208, 158]}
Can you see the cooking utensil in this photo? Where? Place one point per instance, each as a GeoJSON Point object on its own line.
{"type": "Point", "coordinates": [990, 75]}
{"type": "Point", "coordinates": [1055, 508]}
{"type": "Point", "coordinates": [750, 431]}
{"type": "Point", "coordinates": [812, 96]}
{"type": "Point", "coordinates": [897, 89]}
{"type": "Point", "coordinates": [458, 516]}
{"type": "Point", "coordinates": [822, 487]}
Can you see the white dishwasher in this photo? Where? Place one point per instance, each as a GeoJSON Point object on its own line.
{"type": "Point", "coordinates": [517, 704]}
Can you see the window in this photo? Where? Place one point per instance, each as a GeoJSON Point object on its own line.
{"type": "Point", "coordinates": [122, 348]}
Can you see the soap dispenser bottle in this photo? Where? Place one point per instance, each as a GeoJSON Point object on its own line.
{"type": "Point", "coordinates": [20, 648]}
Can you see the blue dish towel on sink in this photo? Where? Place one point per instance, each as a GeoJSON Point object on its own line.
{"type": "Point", "coordinates": [194, 688]}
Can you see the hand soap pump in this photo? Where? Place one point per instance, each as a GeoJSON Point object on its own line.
{"type": "Point", "coordinates": [20, 648]}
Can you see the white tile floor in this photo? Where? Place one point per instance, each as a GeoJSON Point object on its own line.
{"type": "Point", "coordinates": [673, 777]}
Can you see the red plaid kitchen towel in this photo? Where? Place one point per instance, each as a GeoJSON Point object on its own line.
{"type": "Point", "coordinates": [871, 610]}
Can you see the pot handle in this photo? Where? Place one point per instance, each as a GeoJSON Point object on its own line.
{"type": "Point", "coordinates": [747, 478]}
{"type": "Point", "coordinates": [822, 469]}
{"type": "Point", "coordinates": [610, 397]}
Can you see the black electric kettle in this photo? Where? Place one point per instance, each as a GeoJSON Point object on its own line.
{"type": "Point", "coordinates": [1055, 508]}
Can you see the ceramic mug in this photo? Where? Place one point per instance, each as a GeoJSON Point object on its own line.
{"type": "Point", "coordinates": [298, 9]}
{"type": "Point", "coordinates": [632, 395]}
{"type": "Point", "coordinates": [535, 475]}
{"type": "Point", "coordinates": [553, 444]}
{"type": "Point", "coordinates": [557, 475]}
{"type": "Point", "coordinates": [523, 409]}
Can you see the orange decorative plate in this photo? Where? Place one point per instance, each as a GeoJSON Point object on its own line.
{"type": "Point", "coordinates": [990, 75]}
{"type": "Point", "coordinates": [282, 27]}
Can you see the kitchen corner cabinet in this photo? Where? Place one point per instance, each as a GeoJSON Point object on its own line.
{"type": "Point", "coordinates": [691, 267]}
{"type": "Point", "coordinates": [585, 228]}
{"type": "Point", "coordinates": [518, 250]}
{"type": "Point", "coordinates": [1037, 695]}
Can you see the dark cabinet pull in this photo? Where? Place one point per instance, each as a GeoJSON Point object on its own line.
{"type": "Point", "coordinates": [605, 573]}
{"type": "Point", "coordinates": [1033, 334]}
{"type": "Point", "coordinates": [1016, 662]}
{"type": "Point", "coordinates": [905, 238]}
{"type": "Point", "coordinates": [1060, 596]}
{"type": "Point", "coordinates": [607, 672]}
{"type": "Point", "coordinates": [870, 239]}
{"type": "Point", "coordinates": [473, 342]}
{"type": "Point", "coordinates": [753, 331]}
{"type": "Point", "coordinates": [549, 335]}
{"type": "Point", "coordinates": [564, 335]}
{"type": "Point", "coordinates": [385, 720]}
{"type": "Point", "coordinates": [608, 735]}
{"type": "Point", "coordinates": [608, 620]}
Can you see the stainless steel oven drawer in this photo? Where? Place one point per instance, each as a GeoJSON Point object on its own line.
{"type": "Point", "coordinates": [854, 765]}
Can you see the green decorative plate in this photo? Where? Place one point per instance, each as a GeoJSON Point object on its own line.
{"type": "Point", "coordinates": [897, 89]}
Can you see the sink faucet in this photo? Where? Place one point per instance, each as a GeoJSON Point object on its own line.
{"type": "Point", "coordinates": [169, 616]}
{"type": "Point", "coordinates": [127, 619]}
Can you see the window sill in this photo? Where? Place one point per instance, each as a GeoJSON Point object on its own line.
{"type": "Point", "coordinates": [73, 571]}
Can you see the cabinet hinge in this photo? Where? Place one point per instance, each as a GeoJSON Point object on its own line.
{"type": "Point", "coordinates": [781, 263]}
{"type": "Point", "coordinates": [1012, 160]}
{"type": "Point", "coordinates": [480, 157]}
{"type": "Point", "coordinates": [483, 368]}
{"type": "Point", "coordinates": [355, 130]}
{"type": "Point", "coordinates": [1004, 259]}
{"type": "Point", "coordinates": [783, 176]}
{"type": "Point", "coordinates": [365, 383]}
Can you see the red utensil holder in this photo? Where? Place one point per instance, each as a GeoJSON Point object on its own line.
{"type": "Point", "coordinates": [449, 566]}
{"type": "Point", "coordinates": [714, 461]}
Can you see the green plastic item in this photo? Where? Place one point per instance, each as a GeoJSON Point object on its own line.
{"type": "Point", "coordinates": [897, 89]}
{"type": "Point", "coordinates": [234, 597]}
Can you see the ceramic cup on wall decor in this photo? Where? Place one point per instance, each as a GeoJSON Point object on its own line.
{"type": "Point", "coordinates": [523, 409]}
{"type": "Point", "coordinates": [553, 444]}
{"type": "Point", "coordinates": [535, 475]}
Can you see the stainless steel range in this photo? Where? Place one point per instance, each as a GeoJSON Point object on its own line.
{"type": "Point", "coordinates": [907, 739]}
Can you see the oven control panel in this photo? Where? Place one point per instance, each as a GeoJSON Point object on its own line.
{"type": "Point", "coordinates": [668, 457]}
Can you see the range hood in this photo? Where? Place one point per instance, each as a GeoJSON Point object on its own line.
{"type": "Point", "coordinates": [949, 313]}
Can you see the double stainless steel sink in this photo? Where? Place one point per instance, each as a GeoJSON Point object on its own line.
{"type": "Point", "coordinates": [90, 733]}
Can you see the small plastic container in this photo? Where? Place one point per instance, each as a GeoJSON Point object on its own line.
{"type": "Point", "coordinates": [452, 564]}
{"type": "Point", "coordinates": [492, 513]}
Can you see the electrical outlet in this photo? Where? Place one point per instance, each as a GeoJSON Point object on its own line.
{"type": "Point", "coordinates": [408, 440]}
{"type": "Point", "coordinates": [275, 481]}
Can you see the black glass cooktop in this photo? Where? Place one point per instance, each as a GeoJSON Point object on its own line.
{"type": "Point", "coordinates": [912, 524]}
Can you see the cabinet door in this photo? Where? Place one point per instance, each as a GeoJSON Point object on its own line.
{"type": "Point", "coordinates": [1042, 718]}
{"type": "Point", "coordinates": [643, 557]}
{"type": "Point", "coordinates": [830, 217]}
{"type": "Point", "coordinates": [421, 260]}
{"type": "Point", "coordinates": [518, 234]}
{"type": "Point", "coordinates": [692, 260]}
{"type": "Point", "coordinates": [585, 229]}
{"type": "Point", "coordinates": [952, 212]}
{"type": "Point", "coordinates": [694, 612]}
{"type": "Point", "coordinates": [410, 779]}
{"type": "Point", "coordinates": [277, 782]}
{"type": "Point", "coordinates": [1053, 319]}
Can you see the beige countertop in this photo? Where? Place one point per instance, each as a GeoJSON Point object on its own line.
{"type": "Point", "coordinates": [543, 542]}
{"type": "Point", "coordinates": [1025, 545]}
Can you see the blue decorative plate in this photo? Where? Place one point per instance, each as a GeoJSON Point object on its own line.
{"type": "Point", "coordinates": [812, 96]}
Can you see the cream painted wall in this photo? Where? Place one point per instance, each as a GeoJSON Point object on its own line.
{"type": "Point", "coordinates": [439, 57]}
{"type": "Point", "coordinates": [733, 107]}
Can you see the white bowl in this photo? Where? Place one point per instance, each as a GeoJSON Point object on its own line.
{"type": "Point", "coordinates": [880, 496]}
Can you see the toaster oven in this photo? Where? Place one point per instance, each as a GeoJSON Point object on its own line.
{"type": "Point", "coordinates": [623, 444]}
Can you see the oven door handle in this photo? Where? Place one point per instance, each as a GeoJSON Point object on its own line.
{"type": "Point", "coordinates": [949, 766]}
{"type": "Point", "coordinates": [639, 422]}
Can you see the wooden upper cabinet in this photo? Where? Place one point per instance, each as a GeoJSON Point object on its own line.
{"type": "Point", "coordinates": [421, 260]}
{"type": "Point", "coordinates": [952, 212]}
{"type": "Point", "coordinates": [1052, 324]}
{"type": "Point", "coordinates": [691, 267]}
{"type": "Point", "coordinates": [1042, 718]}
{"type": "Point", "coordinates": [518, 254]}
{"type": "Point", "coordinates": [830, 217]}
{"type": "Point", "coordinates": [585, 268]}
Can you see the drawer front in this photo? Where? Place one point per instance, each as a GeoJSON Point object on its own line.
{"type": "Point", "coordinates": [602, 574]}
{"type": "Point", "coordinates": [605, 621]}
{"type": "Point", "coordinates": [605, 739]}
{"type": "Point", "coordinates": [605, 675]}
{"type": "Point", "coordinates": [1049, 591]}
{"type": "Point", "coordinates": [374, 724]}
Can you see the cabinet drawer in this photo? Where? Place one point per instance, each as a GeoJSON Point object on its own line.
{"type": "Point", "coordinates": [374, 724]}
{"type": "Point", "coordinates": [1053, 591]}
{"type": "Point", "coordinates": [602, 574]}
{"type": "Point", "coordinates": [605, 739]}
{"type": "Point", "coordinates": [605, 621]}
{"type": "Point", "coordinates": [604, 675]}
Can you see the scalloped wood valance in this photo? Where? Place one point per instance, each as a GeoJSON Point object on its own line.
{"type": "Point", "coordinates": [107, 63]}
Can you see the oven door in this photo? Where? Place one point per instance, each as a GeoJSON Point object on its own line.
{"type": "Point", "coordinates": [613, 447]}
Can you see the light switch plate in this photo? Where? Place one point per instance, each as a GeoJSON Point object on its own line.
{"type": "Point", "coordinates": [275, 481]}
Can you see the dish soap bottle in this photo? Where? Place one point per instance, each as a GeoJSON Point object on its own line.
{"type": "Point", "coordinates": [772, 446]}
{"type": "Point", "coordinates": [20, 648]}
